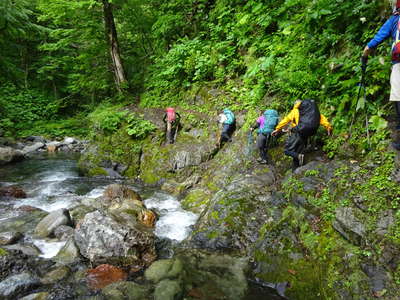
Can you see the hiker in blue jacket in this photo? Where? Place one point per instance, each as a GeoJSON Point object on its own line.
{"type": "Point", "coordinates": [390, 29]}
{"type": "Point", "coordinates": [228, 122]}
{"type": "Point", "coordinates": [266, 124]}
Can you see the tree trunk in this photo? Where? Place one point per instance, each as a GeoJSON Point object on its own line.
{"type": "Point", "coordinates": [111, 32]}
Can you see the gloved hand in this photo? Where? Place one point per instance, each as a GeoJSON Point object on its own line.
{"type": "Point", "coordinates": [275, 132]}
{"type": "Point", "coordinates": [329, 132]}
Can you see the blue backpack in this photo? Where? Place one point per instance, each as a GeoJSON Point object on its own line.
{"type": "Point", "coordinates": [230, 117]}
{"type": "Point", "coordinates": [271, 120]}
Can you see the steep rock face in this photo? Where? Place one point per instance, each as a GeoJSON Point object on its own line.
{"type": "Point", "coordinates": [104, 239]}
{"type": "Point", "coordinates": [8, 155]}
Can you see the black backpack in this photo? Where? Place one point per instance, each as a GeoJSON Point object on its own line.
{"type": "Point", "coordinates": [309, 118]}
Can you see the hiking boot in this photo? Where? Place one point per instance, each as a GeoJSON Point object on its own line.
{"type": "Point", "coordinates": [301, 159]}
{"type": "Point", "coordinates": [259, 159]}
{"type": "Point", "coordinates": [263, 162]}
{"type": "Point", "coordinates": [396, 146]}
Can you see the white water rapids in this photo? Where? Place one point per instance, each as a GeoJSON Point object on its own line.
{"type": "Point", "coordinates": [52, 183]}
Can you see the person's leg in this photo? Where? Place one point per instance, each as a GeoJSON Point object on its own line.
{"type": "Point", "coordinates": [397, 107]}
{"type": "Point", "coordinates": [169, 132]}
{"type": "Point", "coordinates": [261, 143]}
{"type": "Point", "coordinates": [225, 134]}
{"type": "Point", "coordinates": [294, 145]}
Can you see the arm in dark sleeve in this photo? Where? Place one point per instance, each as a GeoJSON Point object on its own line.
{"type": "Point", "coordinates": [165, 116]}
{"type": "Point", "coordinates": [384, 32]}
{"type": "Point", "coordinates": [178, 116]}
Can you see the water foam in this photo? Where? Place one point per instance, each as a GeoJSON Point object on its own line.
{"type": "Point", "coordinates": [48, 248]}
{"type": "Point", "coordinates": [174, 223]}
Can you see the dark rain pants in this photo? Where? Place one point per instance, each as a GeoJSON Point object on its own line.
{"type": "Point", "coordinates": [262, 144]}
{"type": "Point", "coordinates": [172, 126]}
{"type": "Point", "coordinates": [295, 144]}
{"type": "Point", "coordinates": [397, 107]}
{"type": "Point", "coordinates": [227, 131]}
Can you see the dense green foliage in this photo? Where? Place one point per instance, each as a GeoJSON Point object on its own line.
{"type": "Point", "coordinates": [255, 53]}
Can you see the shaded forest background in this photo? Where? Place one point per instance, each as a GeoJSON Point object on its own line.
{"type": "Point", "coordinates": [56, 71]}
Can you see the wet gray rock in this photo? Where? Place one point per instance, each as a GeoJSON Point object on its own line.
{"type": "Point", "coordinates": [63, 232]}
{"type": "Point", "coordinates": [378, 277]}
{"type": "Point", "coordinates": [10, 237]}
{"type": "Point", "coordinates": [55, 275]}
{"type": "Point", "coordinates": [104, 239]}
{"type": "Point", "coordinates": [69, 253]}
{"type": "Point", "coordinates": [168, 290]}
{"type": "Point", "coordinates": [164, 269]}
{"type": "Point", "coordinates": [9, 155]}
{"type": "Point", "coordinates": [46, 226]}
{"type": "Point", "coordinates": [32, 148]}
{"type": "Point", "coordinates": [126, 290]}
{"type": "Point", "coordinates": [21, 283]}
{"type": "Point", "coordinates": [27, 249]}
{"type": "Point", "coordinates": [385, 221]}
{"type": "Point", "coordinates": [349, 226]}
{"type": "Point", "coordinates": [69, 141]}
{"type": "Point", "coordinates": [36, 296]}
{"type": "Point", "coordinates": [36, 139]}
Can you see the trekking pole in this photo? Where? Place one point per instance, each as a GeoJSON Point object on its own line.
{"type": "Point", "coordinates": [362, 90]}
{"type": "Point", "coordinates": [250, 142]}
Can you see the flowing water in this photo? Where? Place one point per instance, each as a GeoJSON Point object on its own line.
{"type": "Point", "coordinates": [52, 182]}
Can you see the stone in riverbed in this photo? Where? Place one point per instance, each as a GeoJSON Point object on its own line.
{"type": "Point", "coordinates": [164, 269]}
{"type": "Point", "coordinates": [126, 290]}
{"type": "Point", "coordinates": [104, 275]}
{"type": "Point", "coordinates": [69, 253]}
{"type": "Point", "coordinates": [13, 285]}
{"type": "Point", "coordinates": [55, 275]}
{"type": "Point", "coordinates": [33, 148]}
{"type": "Point", "coordinates": [8, 155]}
{"type": "Point", "coordinates": [36, 296]}
{"type": "Point", "coordinates": [168, 290]}
{"type": "Point", "coordinates": [27, 249]}
{"type": "Point", "coordinates": [12, 191]}
{"type": "Point", "coordinates": [63, 232]}
{"type": "Point", "coordinates": [46, 226]}
{"type": "Point", "coordinates": [10, 237]}
{"type": "Point", "coordinates": [105, 239]}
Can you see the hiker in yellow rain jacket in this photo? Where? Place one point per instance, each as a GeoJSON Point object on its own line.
{"type": "Point", "coordinates": [304, 120]}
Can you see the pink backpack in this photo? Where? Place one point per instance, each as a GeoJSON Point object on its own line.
{"type": "Point", "coordinates": [171, 116]}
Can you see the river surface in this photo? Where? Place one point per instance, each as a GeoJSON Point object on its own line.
{"type": "Point", "coordinates": [52, 182]}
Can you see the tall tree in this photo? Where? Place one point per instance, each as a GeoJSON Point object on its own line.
{"type": "Point", "coordinates": [111, 32]}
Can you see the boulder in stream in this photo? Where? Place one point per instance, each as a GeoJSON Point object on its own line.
{"type": "Point", "coordinates": [105, 239]}
{"type": "Point", "coordinates": [13, 285]}
{"type": "Point", "coordinates": [12, 191]}
{"type": "Point", "coordinates": [32, 148]}
{"type": "Point", "coordinates": [10, 237]}
{"type": "Point", "coordinates": [8, 155]}
{"type": "Point", "coordinates": [46, 226]}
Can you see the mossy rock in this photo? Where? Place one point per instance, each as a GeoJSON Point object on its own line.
{"type": "Point", "coordinates": [126, 290]}
{"type": "Point", "coordinates": [164, 269]}
{"type": "Point", "coordinates": [3, 252]}
{"type": "Point", "coordinates": [196, 200]}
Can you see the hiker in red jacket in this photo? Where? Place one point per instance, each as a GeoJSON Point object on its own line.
{"type": "Point", "coordinates": [171, 118]}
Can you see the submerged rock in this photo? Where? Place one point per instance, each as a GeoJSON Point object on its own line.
{"type": "Point", "coordinates": [168, 290]}
{"type": "Point", "coordinates": [164, 269]}
{"type": "Point", "coordinates": [9, 155]}
{"type": "Point", "coordinates": [12, 191]}
{"type": "Point", "coordinates": [126, 290]}
{"type": "Point", "coordinates": [46, 226]}
{"type": "Point", "coordinates": [21, 283]}
{"type": "Point", "coordinates": [104, 239]}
